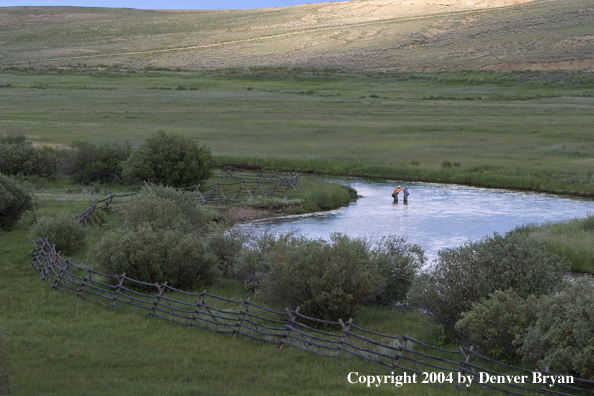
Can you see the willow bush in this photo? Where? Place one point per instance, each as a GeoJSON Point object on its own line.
{"type": "Point", "coordinates": [14, 201]}
{"type": "Point", "coordinates": [18, 156]}
{"type": "Point", "coordinates": [169, 159]}
{"type": "Point", "coordinates": [326, 280]}
{"type": "Point", "coordinates": [63, 231]}
{"type": "Point", "coordinates": [562, 336]}
{"type": "Point", "coordinates": [464, 275]}
{"type": "Point", "coordinates": [97, 163]}
{"type": "Point", "coordinates": [157, 256]}
{"type": "Point", "coordinates": [497, 324]}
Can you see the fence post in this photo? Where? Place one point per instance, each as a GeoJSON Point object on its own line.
{"type": "Point", "coordinates": [403, 344]}
{"type": "Point", "coordinates": [276, 188]}
{"type": "Point", "coordinates": [241, 189]}
{"type": "Point", "coordinates": [345, 335]}
{"type": "Point", "coordinates": [463, 364]}
{"type": "Point", "coordinates": [289, 320]}
{"type": "Point", "coordinates": [81, 289]}
{"type": "Point", "coordinates": [62, 271]}
{"type": "Point", "coordinates": [545, 386]}
{"type": "Point", "coordinates": [121, 279]}
{"type": "Point", "coordinates": [157, 298]}
{"type": "Point", "coordinates": [197, 191]}
{"type": "Point", "coordinates": [241, 318]}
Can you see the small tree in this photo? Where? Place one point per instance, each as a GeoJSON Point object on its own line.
{"type": "Point", "coordinates": [163, 208]}
{"type": "Point", "coordinates": [89, 163]}
{"type": "Point", "coordinates": [169, 159]}
{"type": "Point", "coordinates": [14, 201]}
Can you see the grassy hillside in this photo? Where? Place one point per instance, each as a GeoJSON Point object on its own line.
{"type": "Point", "coordinates": [355, 35]}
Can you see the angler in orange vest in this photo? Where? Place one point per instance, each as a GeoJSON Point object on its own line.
{"type": "Point", "coordinates": [395, 193]}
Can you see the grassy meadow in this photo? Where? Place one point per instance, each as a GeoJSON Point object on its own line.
{"type": "Point", "coordinates": [519, 130]}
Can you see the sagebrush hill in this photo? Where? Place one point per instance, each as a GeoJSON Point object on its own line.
{"type": "Point", "coordinates": [357, 35]}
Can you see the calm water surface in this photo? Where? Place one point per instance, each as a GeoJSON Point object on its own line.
{"type": "Point", "coordinates": [437, 216]}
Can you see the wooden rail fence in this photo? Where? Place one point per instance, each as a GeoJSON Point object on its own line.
{"type": "Point", "coordinates": [244, 185]}
{"type": "Point", "coordinates": [289, 328]}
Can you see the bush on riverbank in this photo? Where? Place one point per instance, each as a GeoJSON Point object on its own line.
{"type": "Point", "coordinates": [327, 279]}
{"type": "Point", "coordinates": [563, 335]}
{"type": "Point", "coordinates": [464, 275]}
{"type": "Point", "coordinates": [498, 323]}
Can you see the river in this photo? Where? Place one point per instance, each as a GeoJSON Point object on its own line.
{"type": "Point", "coordinates": [436, 216]}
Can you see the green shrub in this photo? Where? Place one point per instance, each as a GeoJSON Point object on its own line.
{"type": "Point", "coordinates": [563, 335]}
{"type": "Point", "coordinates": [227, 248]}
{"type": "Point", "coordinates": [253, 263]}
{"type": "Point", "coordinates": [14, 201]}
{"type": "Point", "coordinates": [163, 208]}
{"type": "Point", "coordinates": [399, 263]}
{"type": "Point", "coordinates": [157, 256]}
{"type": "Point", "coordinates": [19, 157]}
{"type": "Point", "coordinates": [326, 279]}
{"type": "Point", "coordinates": [169, 159]}
{"type": "Point", "coordinates": [463, 275]}
{"type": "Point", "coordinates": [103, 163]}
{"type": "Point", "coordinates": [63, 231]}
{"type": "Point", "coordinates": [497, 323]}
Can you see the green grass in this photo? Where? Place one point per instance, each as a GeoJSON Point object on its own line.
{"type": "Point", "coordinates": [57, 344]}
{"type": "Point", "coordinates": [541, 144]}
{"type": "Point", "coordinates": [572, 240]}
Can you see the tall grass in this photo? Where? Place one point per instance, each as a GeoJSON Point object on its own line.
{"type": "Point", "coordinates": [573, 240]}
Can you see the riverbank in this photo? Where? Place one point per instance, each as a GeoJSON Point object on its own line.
{"type": "Point", "coordinates": [560, 183]}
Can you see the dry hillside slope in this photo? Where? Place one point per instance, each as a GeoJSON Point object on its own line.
{"type": "Point", "coordinates": [354, 35]}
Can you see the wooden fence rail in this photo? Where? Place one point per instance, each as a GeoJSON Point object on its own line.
{"type": "Point", "coordinates": [249, 185]}
{"type": "Point", "coordinates": [393, 353]}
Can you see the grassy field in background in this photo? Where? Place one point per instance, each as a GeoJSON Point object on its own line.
{"type": "Point", "coordinates": [521, 130]}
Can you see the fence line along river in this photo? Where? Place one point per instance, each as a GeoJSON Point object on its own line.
{"type": "Point", "coordinates": [436, 216]}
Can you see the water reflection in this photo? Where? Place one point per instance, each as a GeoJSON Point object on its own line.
{"type": "Point", "coordinates": [435, 216]}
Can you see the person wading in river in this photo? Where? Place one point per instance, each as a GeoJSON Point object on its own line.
{"type": "Point", "coordinates": [395, 193]}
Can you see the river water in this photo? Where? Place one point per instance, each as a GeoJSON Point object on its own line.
{"type": "Point", "coordinates": [436, 216]}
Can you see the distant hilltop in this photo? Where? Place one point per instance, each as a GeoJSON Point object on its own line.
{"type": "Point", "coordinates": [358, 35]}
